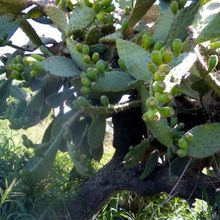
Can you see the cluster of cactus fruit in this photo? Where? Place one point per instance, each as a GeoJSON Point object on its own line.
{"type": "Point", "coordinates": [97, 68]}
{"type": "Point", "coordinates": [104, 10]}
{"type": "Point", "coordinates": [176, 5]}
{"type": "Point", "coordinates": [183, 144]}
{"type": "Point", "coordinates": [25, 68]}
{"type": "Point", "coordinates": [160, 68]}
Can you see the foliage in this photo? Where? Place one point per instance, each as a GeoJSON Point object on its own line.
{"type": "Point", "coordinates": [160, 67]}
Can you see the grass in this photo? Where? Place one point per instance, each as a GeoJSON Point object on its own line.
{"type": "Point", "coordinates": [39, 202]}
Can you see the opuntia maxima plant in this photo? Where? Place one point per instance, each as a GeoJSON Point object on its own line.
{"type": "Point", "coordinates": [166, 134]}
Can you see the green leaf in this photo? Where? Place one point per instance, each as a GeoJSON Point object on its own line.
{"type": "Point", "coordinates": [5, 88]}
{"type": "Point", "coordinates": [114, 81]}
{"type": "Point", "coordinates": [81, 17]}
{"type": "Point", "coordinates": [57, 15]}
{"type": "Point", "coordinates": [136, 154]}
{"type": "Point", "coordinates": [161, 131]}
{"type": "Point", "coordinates": [60, 66]}
{"type": "Point", "coordinates": [37, 170]}
{"type": "Point", "coordinates": [140, 9]}
{"type": "Point", "coordinates": [204, 16]}
{"type": "Point", "coordinates": [8, 26]}
{"type": "Point", "coordinates": [163, 24]}
{"type": "Point", "coordinates": [150, 165]}
{"type": "Point", "coordinates": [211, 31]}
{"type": "Point", "coordinates": [36, 110]}
{"type": "Point", "coordinates": [179, 26]}
{"type": "Point", "coordinates": [135, 59]}
{"type": "Point", "coordinates": [96, 132]}
{"type": "Point", "coordinates": [205, 141]}
{"type": "Point", "coordinates": [56, 99]}
{"type": "Point", "coordinates": [76, 56]}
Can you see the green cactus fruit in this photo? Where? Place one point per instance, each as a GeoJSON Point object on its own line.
{"type": "Point", "coordinates": [38, 57]}
{"type": "Point", "coordinates": [157, 57]}
{"type": "Point", "coordinates": [18, 59]}
{"type": "Point", "coordinates": [122, 65]}
{"type": "Point", "coordinates": [152, 67]}
{"type": "Point", "coordinates": [159, 86]}
{"type": "Point", "coordinates": [83, 102]}
{"type": "Point", "coordinates": [37, 66]}
{"type": "Point", "coordinates": [166, 111]}
{"type": "Point", "coordinates": [167, 56]}
{"type": "Point", "coordinates": [152, 102]}
{"type": "Point", "coordinates": [183, 144]}
{"type": "Point", "coordinates": [100, 65]}
{"type": "Point", "coordinates": [215, 45]}
{"type": "Point", "coordinates": [85, 90]}
{"type": "Point", "coordinates": [83, 74]}
{"type": "Point", "coordinates": [151, 115]}
{"type": "Point", "coordinates": [158, 45]}
{"type": "Point", "coordinates": [174, 6]}
{"type": "Point", "coordinates": [105, 100]}
{"type": "Point", "coordinates": [146, 41]}
{"type": "Point", "coordinates": [19, 67]}
{"type": "Point", "coordinates": [95, 57]}
{"type": "Point", "coordinates": [188, 136]}
{"type": "Point", "coordinates": [181, 153]}
{"type": "Point", "coordinates": [92, 73]}
{"type": "Point", "coordinates": [182, 3]}
{"type": "Point", "coordinates": [79, 47]}
{"type": "Point", "coordinates": [88, 3]}
{"type": "Point", "coordinates": [212, 62]}
{"type": "Point", "coordinates": [177, 47]}
{"type": "Point", "coordinates": [15, 74]}
{"type": "Point", "coordinates": [165, 68]}
{"type": "Point", "coordinates": [124, 25]}
{"type": "Point", "coordinates": [87, 58]}
{"type": "Point", "coordinates": [28, 60]}
{"type": "Point", "coordinates": [85, 49]}
{"type": "Point", "coordinates": [175, 90]}
{"type": "Point", "coordinates": [96, 7]}
{"type": "Point", "coordinates": [105, 3]}
{"type": "Point", "coordinates": [85, 81]}
{"type": "Point", "coordinates": [159, 75]}
{"type": "Point", "coordinates": [102, 17]}
{"type": "Point", "coordinates": [163, 98]}
{"type": "Point", "coordinates": [110, 8]}
{"type": "Point", "coordinates": [34, 73]}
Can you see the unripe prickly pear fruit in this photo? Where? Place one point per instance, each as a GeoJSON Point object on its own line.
{"type": "Point", "coordinates": [212, 62]}
{"type": "Point", "coordinates": [167, 55]}
{"type": "Point", "coordinates": [152, 67]}
{"type": "Point", "coordinates": [159, 75]}
{"type": "Point", "coordinates": [157, 57]}
{"type": "Point", "coordinates": [165, 68]}
{"type": "Point", "coordinates": [79, 47]}
{"type": "Point", "coordinates": [85, 90]}
{"type": "Point", "coordinates": [188, 136]}
{"type": "Point", "coordinates": [177, 47]}
{"type": "Point", "coordinates": [28, 60]}
{"type": "Point", "coordinates": [151, 115]}
{"type": "Point", "coordinates": [152, 102]}
{"type": "Point", "coordinates": [83, 102]}
{"type": "Point", "coordinates": [175, 90]}
{"type": "Point", "coordinates": [174, 6]}
{"type": "Point", "coordinates": [159, 86]}
{"type": "Point", "coordinates": [85, 49]}
{"type": "Point", "coordinates": [166, 111]}
{"type": "Point", "coordinates": [146, 41]}
{"type": "Point", "coordinates": [95, 57]}
{"type": "Point", "coordinates": [92, 73]}
{"type": "Point", "coordinates": [85, 81]}
{"type": "Point", "coordinates": [105, 100]}
{"type": "Point", "coordinates": [158, 45]}
{"type": "Point", "coordinates": [100, 65]}
{"type": "Point", "coordinates": [163, 98]}
{"type": "Point", "coordinates": [181, 153]}
{"type": "Point", "coordinates": [86, 58]}
{"type": "Point", "coordinates": [183, 144]}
